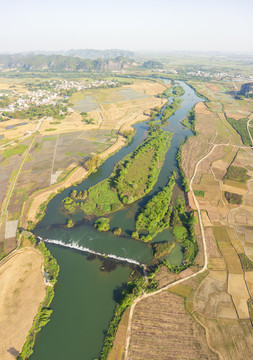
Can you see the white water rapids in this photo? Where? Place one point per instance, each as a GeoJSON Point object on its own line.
{"type": "Point", "coordinates": [76, 246]}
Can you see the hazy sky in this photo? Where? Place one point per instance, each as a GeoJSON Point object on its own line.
{"type": "Point", "coordinates": [131, 24]}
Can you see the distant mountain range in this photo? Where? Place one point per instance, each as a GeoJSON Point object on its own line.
{"type": "Point", "coordinates": [42, 62]}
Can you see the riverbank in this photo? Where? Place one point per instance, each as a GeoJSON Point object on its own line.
{"type": "Point", "coordinates": [22, 290]}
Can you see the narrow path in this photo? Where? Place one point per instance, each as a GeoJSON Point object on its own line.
{"type": "Point", "coordinates": [144, 296]}
{"type": "Point", "coordinates": [55, 150]}
{"type": "Point", "coordinates": [27, 135]}
{"type": "Point", "coordinates": [249, 131]}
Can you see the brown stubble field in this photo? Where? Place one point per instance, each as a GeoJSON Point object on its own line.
{"type": "Point", "coordinates": [218, 301]}
{"type": "Point", "coordinates": [21, 292]}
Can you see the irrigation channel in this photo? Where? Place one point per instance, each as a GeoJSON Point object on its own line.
{"type": "Point", "coordinates": [89, 284]}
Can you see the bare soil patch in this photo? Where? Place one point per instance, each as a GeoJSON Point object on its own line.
{"type": "Point", "coordinates": [238, 290]}
{"type": "Point", "coordinates": [232, 339]}
{"type": "Point", "coordinates": [21, 292]}
{"type": "Point", "coordinates": [162, 329]}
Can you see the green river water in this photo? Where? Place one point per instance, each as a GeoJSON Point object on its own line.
{"type": "Point", "coordinates": [85, 295]}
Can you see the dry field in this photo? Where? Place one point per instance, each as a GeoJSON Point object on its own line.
{"type": "Point", "coordinates": [21, 292]}
{"type": "Point", "coordinates": [163, 329]}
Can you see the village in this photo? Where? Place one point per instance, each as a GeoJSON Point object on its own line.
{"type": "Point", "coordinates": [56, 92]}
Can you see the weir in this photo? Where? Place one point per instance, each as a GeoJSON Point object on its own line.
{"type": "Point", "coordinates": [76, 246]}
{"type": "Point", "coordinates": [85, 296]}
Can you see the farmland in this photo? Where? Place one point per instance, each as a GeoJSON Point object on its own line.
{"type": "Point", "coordinates": [63, 145]}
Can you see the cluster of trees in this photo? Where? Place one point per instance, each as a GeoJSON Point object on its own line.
{"type": "Point", "coordinates": [131, 179]}
{"type": "Point", "coordinates": [237, 173]}
{"type": "Point", "coordinates": [190, 121]}
{"type": "Point", "coordinates": [155, 216]}
{"type": "Point", "coordinates": [92, 163]}
{"type": "Point", "coordinates": [102, 224]}
{"type": "Point", "coordinates": [85, 118]}
{"type": "Point", "coordinates": [165, 94]}
{"type": "Point", "coordinates": [152, 64]}
{"type": "Point", "coordinates": [185, 182]}
{"type": "Point", "coordinates": [170, 109]}
{"type": "Point", "coordinates": [130, 182]}
{"type": "Point", "coordinates": [233, 198]}
{"type": "Point", "coordinates": [57, 111]}
{"type": "Point", "coordinates": [43, 317]}
{"type": "Point", "coordinates": [178, 90]}
{"type": "Point", "coordinates": [4, 101]}
{"type": "Point", "coordinates": [162, 249]}
{"type": "Point", "coordinates": [241, 127]}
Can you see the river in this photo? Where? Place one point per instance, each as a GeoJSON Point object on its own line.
{"type": "Point", "coordinates": [88, 285]}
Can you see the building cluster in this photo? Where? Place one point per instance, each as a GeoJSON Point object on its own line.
{"type": "Point", "coordinates": [53, 95]}
{"type": "Point", "coordinates": [217, 75]}
{"type": "Point", "coordinates": [68, 85]}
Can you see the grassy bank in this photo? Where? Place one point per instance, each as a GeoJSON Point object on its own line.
{"type": "Point", "coordinates": [51, 269]}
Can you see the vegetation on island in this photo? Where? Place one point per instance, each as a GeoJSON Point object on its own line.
{"type": "Point", "coordinates": [132, 291]}
{"type": "Point", "coordinates": [132, 178]}
{"type": "Point", "coordinates": [162, 249]}
{"type": "Point", "coordinates": [170, 109]}
{"type": "Point", "coordinates": [178, 90]}
{"type": "Point", "coordinates": [237, 173]}
{"type": "Point", "coordinates": [102, 224]}
{"type": "Point", "coordinates": [190, 121]}
{"type": "Point", "coordinates": [155, 216]}
{"type": "Point", "coordinates": [185, 182]}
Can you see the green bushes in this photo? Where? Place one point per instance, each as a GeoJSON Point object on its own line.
{"type": "Point", "coordinates": [102, 199]}
{"type": "Point", "coordinates": [162, 249]}
{"type": "Point", "coordinates": [170, 109]}
{"type": "Point", "coordinates": [178, 90]}
{"type": "Point", "coordinates": [133, 290]}
{"type": "Point", "coordinates": [185, 182]}
{"type": "Point", "coordinates": [190, 121]}
{"type": "Point", "coordinates": [70, 223]}
{"type": "Point", "coordinates": [132, 178]}
{"type": "Point", "coordinates": [155, 216]}
{"type": "Point", "coordinates": [200, 193]}
{"type": "Point", "coordinates": [236, 173]}
{"type": "Point", "coordinates": [42, 318]}
{"type": "Point", "coordinates": [17, 150]}
{"type": "Point", "coordinates": [241, 127]}
{"type": "Point", "coordinates": [233, 198]}
{"type": "Point", "coordinates": [57, 111]}
{"type": "Point", "coordinates": [50, 264]}
{"type": "Point", "coordinates": [102, 224]}
{"type": "Point", "coordinates": [247, 264]}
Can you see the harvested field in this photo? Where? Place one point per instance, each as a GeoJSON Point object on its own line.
{"type": "Point", "coordinates": [162, 329]}
{"type": "Point", "coordinates": [249, 281]}
{"type": "Point", "coordinates": [232, 339]}
{"type": "Point", "coordinates": [238, 290]}
{"type": "Point", "coordinates": [217, 264]}
{"type": "Point", "coordinates": [21, 292]}
{"type": "Point", "coordinates": [211, 298]}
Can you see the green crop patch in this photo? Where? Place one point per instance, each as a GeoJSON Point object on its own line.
{"type": "Point", "coordinates": [200, 193]}
{"type": "Point", "coordinates": [236, 173]}
{"type": "Point", "coordinates": [17, 150]}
